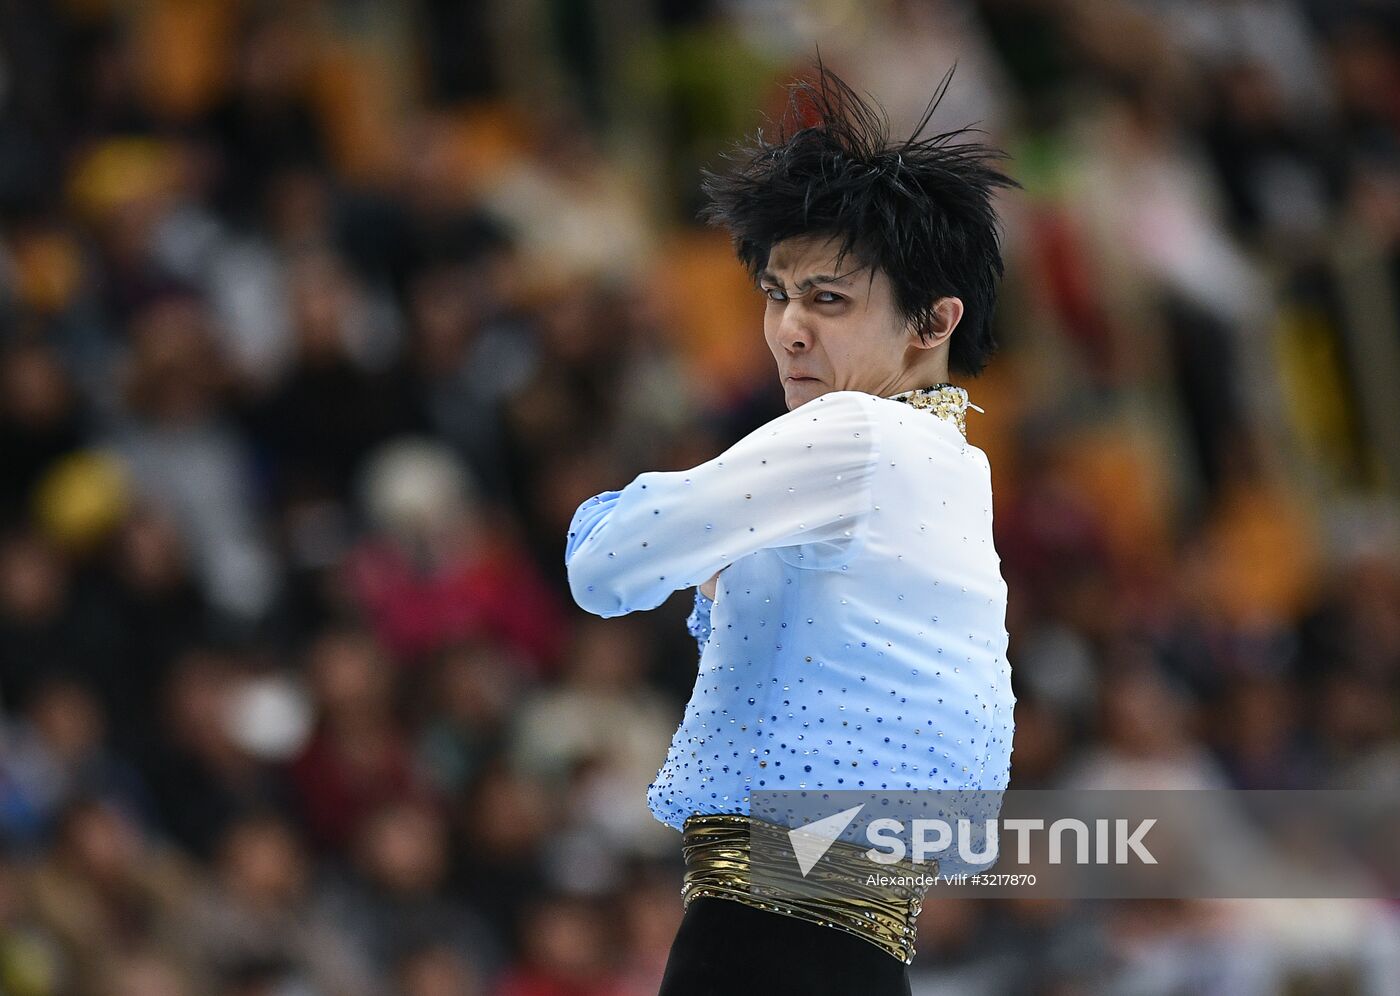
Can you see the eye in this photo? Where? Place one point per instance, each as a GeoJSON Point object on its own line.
{"type": "Point", "coordinates": [774, 294]}
{"type": "Point", "coordinates": [827, 297]}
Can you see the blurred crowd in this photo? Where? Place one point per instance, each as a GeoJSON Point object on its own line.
{"type": "Point", "coordinates": [318, 319]}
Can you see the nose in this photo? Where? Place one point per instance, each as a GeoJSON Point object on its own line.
{"type": "Point", "coordinates": [793, 331]}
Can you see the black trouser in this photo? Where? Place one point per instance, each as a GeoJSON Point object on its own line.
{"type": "Point", "coordinates": [724, 947]}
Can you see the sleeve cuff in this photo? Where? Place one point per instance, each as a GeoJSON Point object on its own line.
{"type": "Point", "coordinates": [589, 514]}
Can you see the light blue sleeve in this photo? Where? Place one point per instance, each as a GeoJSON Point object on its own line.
{"type": "Point", "coordinates": [804, 477]}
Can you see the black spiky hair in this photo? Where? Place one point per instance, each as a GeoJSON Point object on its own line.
{"type": "Point", "coordinates": [919, 209]}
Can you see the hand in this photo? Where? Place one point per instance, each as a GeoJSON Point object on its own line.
{"type": "Point", "coordinates": [708, 588]}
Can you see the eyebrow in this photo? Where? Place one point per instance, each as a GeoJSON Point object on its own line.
{"type": "Point", "coordinates": [816, 278]}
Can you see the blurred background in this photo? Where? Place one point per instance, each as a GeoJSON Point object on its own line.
{"type": "Point", "coordinates": [318, 319]}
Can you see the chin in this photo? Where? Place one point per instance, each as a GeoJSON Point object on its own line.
{"type": "Point", "coordinates": [799, 392]}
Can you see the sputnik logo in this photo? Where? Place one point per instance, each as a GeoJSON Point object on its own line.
{"type": "Point", "coordinates": [811, 841]}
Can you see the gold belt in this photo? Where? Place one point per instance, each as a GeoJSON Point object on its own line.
{"type": "Point", "coordinates": [836, 892]}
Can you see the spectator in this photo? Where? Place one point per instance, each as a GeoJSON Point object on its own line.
{"type": "Point", "coordinates": [569, 951]}
{"type": "Point", "coordinates": [58, 755]}
{"type": "Point", "coordinates": [259, 911]}
{"type": "Point", "coordinates": [396, 902]}
{"type": "Point", "coordinates": [438, 568]}
{"type": "Point", "coordinates": [359, 757]}
{"type": "Point", "coordinates": [468, 701]}
{"type": "Point", "coordinates": [600, 731]}
{"type": "Point", "coordinates": [202, 777]}
{"type": "Point", "coordinates": [106, 888]}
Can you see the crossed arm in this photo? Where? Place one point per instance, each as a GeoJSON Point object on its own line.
{"type": "Point", "coordinates": [804, 477]}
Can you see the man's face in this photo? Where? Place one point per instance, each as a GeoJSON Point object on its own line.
{"type": "Point", "coordinates": [830, 328]}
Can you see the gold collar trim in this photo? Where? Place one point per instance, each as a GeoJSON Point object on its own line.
{"type": "Point", "coordinates": [947, 401]}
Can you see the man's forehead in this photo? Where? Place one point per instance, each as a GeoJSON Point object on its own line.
{"type": "Point", "coordinates": [804, 250]}
{"type": "Point", "coordinates": [804, 256]}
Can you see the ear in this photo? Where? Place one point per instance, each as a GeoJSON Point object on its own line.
{"type": "Point", "coordinates": [947, 312]}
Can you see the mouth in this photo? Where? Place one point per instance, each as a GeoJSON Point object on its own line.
{"type": "Point", "coordinates": [801, 378]}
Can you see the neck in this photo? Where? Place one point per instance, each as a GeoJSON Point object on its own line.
{"type": "Point", "coordinates": [911, 379]}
